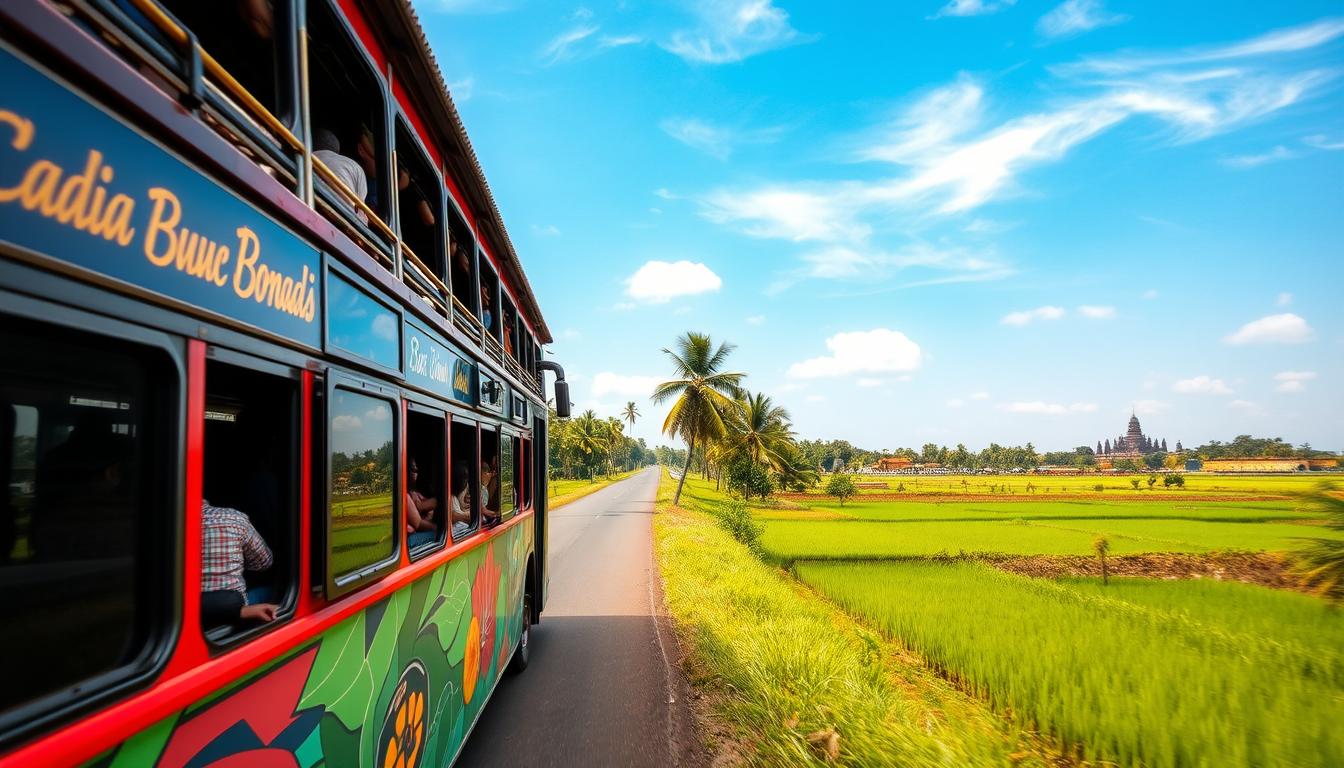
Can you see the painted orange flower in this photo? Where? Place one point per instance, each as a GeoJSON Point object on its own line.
{"type": "Point", "coordinates": [471, 663]}
{"type": "Point", "coordinates": [407, 735]}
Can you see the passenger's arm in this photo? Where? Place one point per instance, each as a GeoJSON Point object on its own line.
{"type": "Point", "coordinates": [256, 555]}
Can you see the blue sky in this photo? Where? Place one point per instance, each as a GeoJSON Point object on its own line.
{"type": "Point", "coordinates": [919, 221]}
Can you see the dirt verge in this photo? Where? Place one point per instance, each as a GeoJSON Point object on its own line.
{"type": "Point", "coordinates": [1266, 569]}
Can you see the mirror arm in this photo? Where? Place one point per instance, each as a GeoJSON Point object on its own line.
{"type": "Point", "coordinates": [561, 387]}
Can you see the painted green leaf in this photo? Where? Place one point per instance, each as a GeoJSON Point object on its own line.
{"type": "Point", "coordinates": [338, 672]}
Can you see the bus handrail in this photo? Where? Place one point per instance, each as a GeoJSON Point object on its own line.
{"type": "Point", "coordinates": [330, 177]}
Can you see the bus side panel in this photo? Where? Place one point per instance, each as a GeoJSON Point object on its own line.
{"type": "Point", "coordinates": [406, 678]}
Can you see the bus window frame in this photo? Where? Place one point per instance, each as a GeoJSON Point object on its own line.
{"type": "Point", "coordinates": [334, 587]}
{"type": "Point", "coordinates": [473, 421]}
{"type": "Point", "coordinates": [400, 120]}
{"type": "Point", "coordinates": [290, 598]}
{"type": "Point", "coordinates": [445, 470]}
{"type": "Point", "coordinates": [506, 433]}
{"type": "Point", "coordinates": [329, 349]}
{"type": "Point", "coordinates": [166, 619]}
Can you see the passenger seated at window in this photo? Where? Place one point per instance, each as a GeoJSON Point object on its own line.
{"type": "Point", "coordinates": [420, 523]}
{"type": "Point", "coordinates": [230, 546]}
{"type": "Point", "coordinates": [423, 212]}
{"type": "Point", "coordinates": [461, 512]}
{"type": "Point", "coordinates": [327, 148]}
{"type": "Point", "coordinates": [368, 158]}
{"type": "Point", "coordinates": [487, 317]}
{"type": "Point", "coordinates": [489, 493]}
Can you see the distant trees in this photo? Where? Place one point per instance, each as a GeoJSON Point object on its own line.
{"type": "Point", "coordinates": [1244, 446]}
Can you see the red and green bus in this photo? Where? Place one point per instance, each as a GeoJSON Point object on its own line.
{"type": "Point", "coordinates": [248, 258]}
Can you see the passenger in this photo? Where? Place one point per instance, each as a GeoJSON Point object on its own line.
{"type": "Point", "coordinates": [420, 525]}
{"type": "Point", "coordinates": [461, 511]}
{"type": "Point", "coordinates": [327, 148]}
{"type": "Point", "coordinates": [487, 318]}
{"type": "Point", "coordinates": [489, 493]}
{"type": "Point", "coordinates": [367, 156]}
{"type": "Point", "coordinates": [422, 210]}
{"type": "Point", "coordinates": [230, 546]}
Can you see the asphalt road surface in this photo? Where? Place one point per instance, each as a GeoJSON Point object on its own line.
{"type": "Point", "coordinates": [603, 686]}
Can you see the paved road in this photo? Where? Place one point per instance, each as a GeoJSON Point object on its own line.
{"type": "Point", "coordinates": [603, 687]}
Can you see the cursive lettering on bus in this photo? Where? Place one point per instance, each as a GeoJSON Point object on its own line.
{"type": "Point", "coordinates": [79, 200]}
{"type": "Point", "coordinates": [86, 202]}
{"type": "Point", "coordinates": [427, 364]}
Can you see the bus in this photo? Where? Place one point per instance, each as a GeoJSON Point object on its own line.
{"type": "Point", "coordinates": [272, 406]}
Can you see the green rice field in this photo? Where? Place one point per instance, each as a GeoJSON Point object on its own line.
{"type": "Point", "coordinates": [1143, 672]}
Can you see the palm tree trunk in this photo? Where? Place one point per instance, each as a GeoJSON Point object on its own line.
{"type": "Point", "coordinates": [686, 470]}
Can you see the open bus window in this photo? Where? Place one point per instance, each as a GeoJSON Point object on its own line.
{"type": "Point", "coordinates": [509, 476]}
{"type": "Point", "coordinates": [489, 313]}
{"type": "Point", "coordinates": [419, 203]}
{"type": "Point", "coordinates": [245, 37]}
{"type": "Point", "coordinates": [363, 529]}
{"type": "Point", "coordinates": [464, 510]}
{"type": "Point", "coordinates": [346, 104]}
{"type": "Point", "coordinates": [510, 329]}
{"type": "Point", "coordinates": [525, 470]}
{"type": "Point", "coordinates": [425, 482]}
{"type": "Point", "coordinates": [85, 528]}
{"type": "Point", "coordinates": [249, 479]}
{"type": "Point", "coordinates": [490, 480]}
{"type": "Point", "coordinates": [461, 266]}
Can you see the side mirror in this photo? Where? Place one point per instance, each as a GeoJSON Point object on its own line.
{"type": "Point", "coordinates": [562, 399]}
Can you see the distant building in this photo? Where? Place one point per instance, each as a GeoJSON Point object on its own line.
{"type": "Point", "coordinates": [891, 464]}
{"type": "Point", "coordinates": [1268, 464]}
{"type": "Point", "coordinates": [1131, 445]}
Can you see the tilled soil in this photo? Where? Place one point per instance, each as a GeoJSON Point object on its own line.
{"type": "Point", "coordinates": [1263, 568]}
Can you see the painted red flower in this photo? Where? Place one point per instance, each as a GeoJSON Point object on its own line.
{"type": "Point", "coordinates": [484, 592]}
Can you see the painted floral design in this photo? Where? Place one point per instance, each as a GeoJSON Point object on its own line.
{"type": "Point", "coordinates": [471, 661]}
{"type": "Point", "coordinates": [403, 736]}
{"type": "Point", "coordinates": [484, 592]}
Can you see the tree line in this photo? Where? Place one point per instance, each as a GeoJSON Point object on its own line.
{"type": "Point", "coordinates": [586, 445]}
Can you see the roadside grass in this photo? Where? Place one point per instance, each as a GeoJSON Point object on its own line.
{"type": "Point", "coordinates": [1152, 673]}
{"type": "Point", "coordinates": [777, 665]}
{"type": "Point", "coordinates": [563, 492]}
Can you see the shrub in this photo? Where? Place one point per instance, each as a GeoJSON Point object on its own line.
{"type": "Point", "coordinates": [1098, 487]}
{"type": "Point", "coordinates": [1152, 480]}
{"type": "Point", "coordinates": [1134, 482]}
{"type": "Point", "coordinates": [735, 517]}
{"type": "Point", "coordinates": [1176, 480]}
{"type": "Point", "coordinates": [841, 487]}
{"type": "Point", "coordinates": [747, 478]}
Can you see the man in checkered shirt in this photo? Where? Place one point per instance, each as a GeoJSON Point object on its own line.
{"type": "Point", "coordinates": [231, 545]}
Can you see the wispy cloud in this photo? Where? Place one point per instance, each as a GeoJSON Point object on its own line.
{"type": "Point", "coordinates": [562, 46]}
{"type": "Point", "coordinates": [1201, 385]}
{"type": "Point", "coordinates": [732, 30]}
{"type": "Point", "coordinates": [461, 90]}
{"type": "Point", "coordinates": [1096, 312]}
{"type": "Point", "coordinates": [1048, 409]}
{"type": "Point", "coordinates": [1286, 328]}
{"type": "Point", "coordinates": [1293, 381]}
{"type": "Point", "coordinates": [471, 6]}
{"type": "Point", "coordinates": [715, 140]}
{"type": "Point", "coordinates": [1074, 17]}
{"type": "Point", "coordinates": [1250, 161]}
{"type": "Point", "coordinates": [582, 39]}
{"type": "Point", "coordinates": [1284, 299]}
{"type": "Point", "coordinates": [1029, 316]}
{"type": "Point", "coordinates": [972, 7]}
{"type": "Point", "coordinates": [1321, 141]}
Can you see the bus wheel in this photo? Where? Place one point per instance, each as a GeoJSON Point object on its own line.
{"type": "Point", "coordinates": [519, 662]}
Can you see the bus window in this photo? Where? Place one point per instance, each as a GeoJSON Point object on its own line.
{"type": "Point", "coordinates": [464, 510]}
{"type": "Point", "coordinates": [419, 203]}
{"type": "Point", "coordinates": [362, 526]}
{"type": "Point", "coordinates": [249, 481]}
{"type": "Point", "coordinates": [510, 329]}
{"type": "Point", "coordinates": [346, 107]}
{"type": "Point", "coordinates": [425, 483]}
{"type": "Point", "coordinates": [490, 490]}
{"type": "Point", "coordinates": [509, 475]}
{"type": "Point", "coordinates": [489, 299]}
{"type": "Point", "coordinates": [85, 525]}
{"type": "Point", "coordinates": [245, 37]}
{"type": "Point", "coordinates": [462, 266]}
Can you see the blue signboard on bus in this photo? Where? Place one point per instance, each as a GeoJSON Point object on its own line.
{"type": "Point", "coordinates": [78, 185]}
{"type": "Point", "coordinates": [431, 365]}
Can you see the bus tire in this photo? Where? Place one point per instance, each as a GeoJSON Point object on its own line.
{"type": "Point", "coordinates": [520, 654]}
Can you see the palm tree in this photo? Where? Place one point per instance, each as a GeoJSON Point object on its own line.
{"type": "Point", "coordinates": [702, 392]}
{"type": "Point", "coordinates": [615, 441]}
{"type": "Point", "coordinates": [761, 429]}
{"type": "Point", "coordinates": [588, 437]}
{"type": "Point", "coordinates": [630, 413]}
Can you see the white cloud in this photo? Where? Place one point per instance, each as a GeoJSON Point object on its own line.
{"type": "Point", "coordinates": [1321, 141]}
{"type": "Point", "coordinates": [1286, 328]}
{"type": "Point", "coordinates": [461, 90]}
{"type": "Point", "coordinates": [1243, 405]}
{"type": "Point", "coordinates": [385, 327]}
{"type": "Point", "coordinates": [1028, 316]}
{"type": "Point", "coordinates": [658, 282]}
{"type": "Point", "coordinates": [470, 6]}
{"type": "Point", "coordinates": [715, 141]}
{"type": "Point", "coordinates": [1096, 312]}
{"type": "Point", "coordinates": [1150, 407]}
{"type": "Point", "coordinates": [608, 383]}
{"type": "Point", "coordinates": [345, 423]}
{"type": "Point", "coordinates": [869, 383]}
{"type": "Point", "coordinates": [549, 230]}
{"type": "Point", "coordinates": [732, 30]}
{"type": "Point", "coordinates": [815, 398]}
{"type": "Point", "coordinates": [979, 395]}
{"type": "Point", "coordinates": [1150, 294]}
{"type": "Point", "coordinates": [1279, 41]}
{"type": "Point", "coordinates": [955, 402]}
{"type": "Point", "coordinates": [1284, 299]}
{"type": "Point", "coordinates": [1293, 381]}
{"type": "Point", "coordinates": [756, 320]}
{"type": "Point", "coordinates": [617, 41]}
{"type": "Point", "coordinates": [1250, 161]}
{"type": "Point", "coordinates": [1074, 17]}
{"type": "Point", "coordinates": [1201, 385]}
{"type": "Point", "coordinates": [972, 7]}
{"type": "Point", "coordinates": [877, 351]}
{"type": "Point", "coordinates": [571, 334]}
{"type": "Point", "coordinates": [561, 46]}
{"type": "Point", "coordinates": [1049, 409]}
